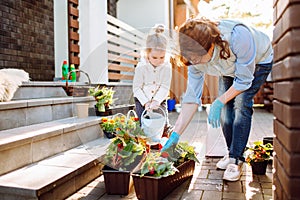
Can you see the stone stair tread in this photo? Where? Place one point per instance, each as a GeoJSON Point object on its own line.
{"type": "Point", "coordinates": [46, 174]}
{"type": "Point", "coordinates": [42, 101]}
{"type": "Point", "coordinates": [38, 131]}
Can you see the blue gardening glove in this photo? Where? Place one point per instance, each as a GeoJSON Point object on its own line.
{"type": "Point", "coordinates": [172, 142]}
{"type": "Point", "coordinates": [215, 113]}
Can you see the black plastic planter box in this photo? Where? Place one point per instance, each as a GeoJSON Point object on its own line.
{"type": "Point", "coordinates": [152, 188]}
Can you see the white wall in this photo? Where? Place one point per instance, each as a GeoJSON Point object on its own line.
{"type": "Point", "coordinates": [60, 35]}
{"type": "Point", "coordinates": [93, 36]}
{"type": "Point", "coordinates": [143, 14]}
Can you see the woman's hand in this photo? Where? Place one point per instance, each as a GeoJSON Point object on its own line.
{"type": "Point", "coordinates": [172, 142]}
{"type": "Point", "coordinates": [215, 113]}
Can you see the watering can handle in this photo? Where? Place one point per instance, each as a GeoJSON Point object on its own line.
{"type": "Point", "coordinates": [133, 112]}
{"type": "Point", "coordinates": [164, 113]}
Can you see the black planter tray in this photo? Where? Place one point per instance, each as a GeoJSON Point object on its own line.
{"type": "Point", "coordinates": [152, 188]}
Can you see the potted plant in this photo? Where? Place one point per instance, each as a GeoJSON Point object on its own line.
{"type": "Point", "coordinates": [104, 98]}
{"type": "Point", "coordinates": [258, 157]}
{"type": "Point", "coordinates": [161, 173]}
{"type": "Point", "coordinates": [110, 124]}
{"type": "Point", "coordinates": [108, 127]}
{"type": "Point", "coordinates": [124, 153]}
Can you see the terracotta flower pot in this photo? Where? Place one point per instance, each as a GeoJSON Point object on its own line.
{"type": "Point", "coordinates": [152, 188]}
{"type": "Point", "coordinates": [259, 168]}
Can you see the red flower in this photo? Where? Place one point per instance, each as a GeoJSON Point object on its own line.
{"type": "Point", "coordinates": [120, 146]}
{"type": "Point", "coordinates": [147, 148]}
{"type": "Point", "coordinates": [160, 146]}
{"type": "Point", "coordinates": [136, 119]}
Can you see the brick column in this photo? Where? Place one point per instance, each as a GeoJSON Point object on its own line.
{"type": "Point", "coordinates": [286, 76]}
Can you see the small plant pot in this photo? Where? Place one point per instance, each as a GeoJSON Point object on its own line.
{"type": "Point", "coordinates": [117, 182]}
{"type": "Point", "coordinates": [109, 134]}
{"type": "Point", "coordinates": [152, 188]}
{"type": "Point", "coordinates": [267, 140]}
{"type": "Point", "coordinates": [259, 168]}
{"type": "Point", "coordinates": [107, 112]}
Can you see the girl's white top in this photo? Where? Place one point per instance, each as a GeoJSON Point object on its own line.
{"type": "Point", "coordinates": [152, 83]}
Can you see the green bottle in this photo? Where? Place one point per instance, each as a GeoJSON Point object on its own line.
{"type": "Point", "coordinates": [73, 73]}
{"type": "Point", "coordinates": [65, 71]}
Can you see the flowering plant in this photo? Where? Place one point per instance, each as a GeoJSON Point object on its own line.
{"type": "Point", "coordinates": [157, 166]}
{"type": "Point", "coordinates": [108, 124]}
{"type": "Point", "coordinates": [126, 149]}
{"type": "Point", "coordinates": [103, 96]}
{"type": "Point", "coordinates": [162, 164]}
{"type": "Point", "coordinates": [259, 152]}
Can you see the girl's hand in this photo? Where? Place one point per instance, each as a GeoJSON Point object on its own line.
{"type": "Point", "coordinates": [147, 105]}
{"type": "Point", "coordinates": [154, 104]}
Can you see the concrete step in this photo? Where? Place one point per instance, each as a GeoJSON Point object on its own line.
{"type": "Point", "coordinates": [26, 145]}
{"type": "Point", "coordinates": [56, 177]}
{"type": "Point", "coordinates": [43, 89]}
{"type": "Point", "coordinates": [19, 113]}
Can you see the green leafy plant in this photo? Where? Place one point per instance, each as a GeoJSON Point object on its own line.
{"type": "Point", "coordinates": [259, 152]}
{"type": "Point", "coordinates": [108, 124]}
{"type": "Point", "coordinates": [162, 164]}
{"type": "Point", "coordinates": [103, 96]}
{"type": "Point", "coordinates": [157, 166]}
{"type": "Point", "coordinates": [184, 152]}
{"type": "Point", "coordinates": [127, 149]}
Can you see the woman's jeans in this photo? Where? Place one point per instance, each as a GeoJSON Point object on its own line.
{"type": "Point", "coordinates": [236, 115]}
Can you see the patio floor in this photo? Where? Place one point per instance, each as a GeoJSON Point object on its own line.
{"type": "Point", "coordinates": [207, 183]}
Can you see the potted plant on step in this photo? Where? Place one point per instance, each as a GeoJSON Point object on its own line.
{"type": "Point", "coordinates": [161, 173]}
{"type": "Point", "coordinates": [111, 123]}
{"type": "Point", "coordinates": [258, 157]}
{"type": "Point", "coordinates": [104, 98]}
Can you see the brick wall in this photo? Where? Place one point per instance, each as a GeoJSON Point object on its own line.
{"type": "Point", "coordinates": [286, 76]}
{"type": "Point", "coordinates": [27, 37]}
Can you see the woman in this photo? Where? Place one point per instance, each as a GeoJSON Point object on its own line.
{"type": "Point", "coordinates": [242, 57]}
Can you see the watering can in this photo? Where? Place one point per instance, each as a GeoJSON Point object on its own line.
{"type": "Point", "coordinates": [153, 123]}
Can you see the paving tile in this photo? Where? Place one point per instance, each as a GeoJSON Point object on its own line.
{"type": "Point", "coordinates": [234, 195]}
{"type": "Point", "coordinates": [233, 186]}
{"type": "Point", "coordinates": [215, 174]}
{"type": "Point", "coordinates": [192, 195]}
{"type": "Point", "coordinates": [209, 195]}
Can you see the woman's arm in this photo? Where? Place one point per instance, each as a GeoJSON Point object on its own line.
{"type": "Point", "coordinates": [229, 94]}
{"type": "Point", "coordinates": [187, 112]}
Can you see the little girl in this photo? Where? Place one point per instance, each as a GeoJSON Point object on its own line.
{"type": "Point", "coordinates": [153, 74]}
